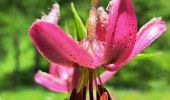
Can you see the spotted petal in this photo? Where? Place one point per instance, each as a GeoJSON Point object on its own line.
{"type": "Point", "coordinates": [121, 31]}
{"type": "Point", "coordinates": [146, 35]}
{"type": "Point", "coordinates": [54, 44]}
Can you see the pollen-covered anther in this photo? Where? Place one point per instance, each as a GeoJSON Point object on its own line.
{"type": "Point", "coordinates": [92, 21]}
{"type": "Point", "coordinates": [102, 16]}
{"type": "Point", "coordinates": [104, 96]}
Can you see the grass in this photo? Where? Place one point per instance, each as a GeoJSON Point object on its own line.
{"type": "Point", "coordinates": [31, 94]}
{"type": "Point", "coordinates": [41, 94]}
{"type": "Point", "coordinates": [142, 95]}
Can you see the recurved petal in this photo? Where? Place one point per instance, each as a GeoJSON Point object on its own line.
{"type": "Point", "coordinates": [146, 35]}
{"type": "Point", "coordinates": [53, 16]}
{"type": "Point", "coordinates": [61, 72]}
{"type": "Point", "coordinates": [66, 73]}
{"type": "Point", "coordinates": [121, 31]}
{"type": "Point", "coordinates": [51, 82]}
{"type": "Point", "coordinates": [52, 42]}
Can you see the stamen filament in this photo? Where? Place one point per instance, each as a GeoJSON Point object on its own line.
{"type": "Point", "coordinates": [80, 82]}
{"type": "Point", "coordinates": [87, 79]}
{"type": "Point", "coordinates": [98, 75]}
{"type": "Point", "coordinates": [90, 85]}
{"type": "Point", "coordinates": [84, 93]}
{"type": "Point", "coordinates": [95, 76]}
{"type": "Point", "coordinates": [73, 94]}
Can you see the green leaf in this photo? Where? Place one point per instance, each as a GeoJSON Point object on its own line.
{"type": "Point", "coordinates": [72, 32]}
{"type": "Point", "coordinates": [81, 30]}
{"type": "Point", "coordinates": [147, 56]}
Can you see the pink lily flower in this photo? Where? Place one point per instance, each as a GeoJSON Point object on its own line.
{"type": "Point", "coordinates": [60, 78]}
{"type": "Point", "coordinates": [112, 41]}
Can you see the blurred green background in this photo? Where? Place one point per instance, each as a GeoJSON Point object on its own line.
{"type": "Point", "coordinates": [141, 79]}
